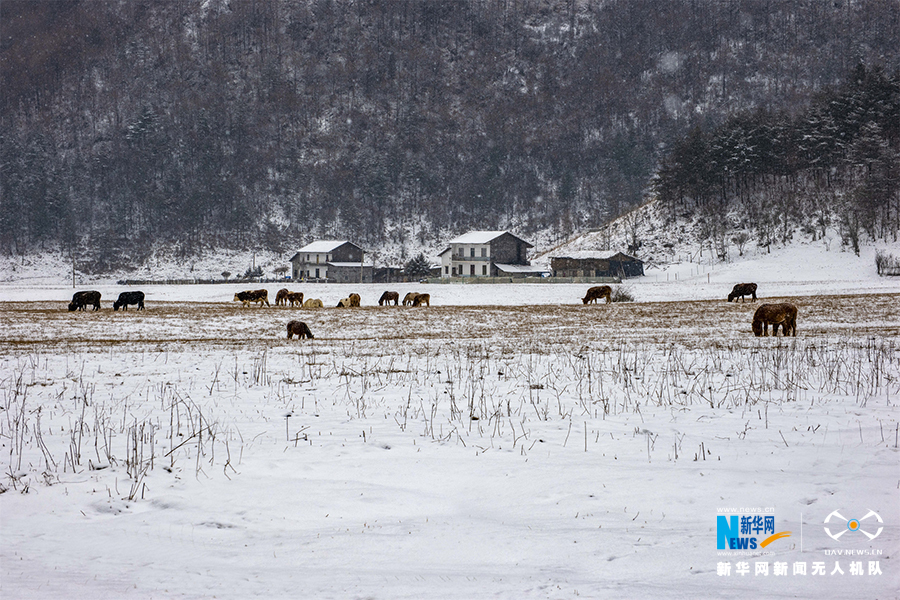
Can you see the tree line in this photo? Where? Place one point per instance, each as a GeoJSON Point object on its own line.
{"type": "Point", "coordinates": [835, 163]}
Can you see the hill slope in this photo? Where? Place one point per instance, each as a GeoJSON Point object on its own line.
{"type": "Point", "coordinates": [131, 127]}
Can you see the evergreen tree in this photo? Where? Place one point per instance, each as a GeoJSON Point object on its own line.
{"type": "Point", "coordinates": [417, 267]}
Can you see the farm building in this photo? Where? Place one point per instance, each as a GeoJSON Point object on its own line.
{"type": "Point", "coordinates": [337, 261]}
{"type": "Point", "coordinates": [595, 264]}
{"type": "Point", "coordinates": [486, 254]}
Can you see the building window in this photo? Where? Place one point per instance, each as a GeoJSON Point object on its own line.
{"type": "Point", "coordinates": [471, 269]}
{"type": "Point", "coordinates": [484, 269]}
{"type": "Point", "coordinates": [446, 270]}
{"type": "Point", "coordinates": [483, 252]}
{"type": "Point", "coordinates": [472, 252]}
{"type": "Point", "coordinates": [317, 273]}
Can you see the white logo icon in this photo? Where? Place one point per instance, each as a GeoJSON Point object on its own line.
{"type": "Point", "coordinates": [853, 525]}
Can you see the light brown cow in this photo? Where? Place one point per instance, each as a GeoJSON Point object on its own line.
{"type": "Point", "coordinates": [312, 303]}
{"type": "Point", "coordinates": [354, 299]}
{"type": "Point", "coordinates": [281, 296]}
{"type": "Point", "coordinates": [409, 298]}
{"type": "Point", "coordinates": [596, 293]}
{"type": "Point", "coordinates": [421, 299]}
{"type": "Point", "coordinates": [784, 314]}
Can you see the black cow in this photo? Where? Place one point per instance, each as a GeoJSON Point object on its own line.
{"type": "Point", "coordinates": [742, 289]}
{"type": "Point", "coordinates": [249, 296]}
{"type": "Point", "coordinates": [126, 298]}
{"type": "Point", "coordinates": [81, 299]}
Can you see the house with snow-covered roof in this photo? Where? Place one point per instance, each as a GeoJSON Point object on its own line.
{"type": "Point", "coordinates": [487, 254]}
{"type": "Point", "coordinates": [337, 261]}
{"type": "Point", "coordinates": [596, 264]}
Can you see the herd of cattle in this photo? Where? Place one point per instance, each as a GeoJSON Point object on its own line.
{"type": "Point", "coordinates": [782, 315]}
{"type": "Point", "coordinates": [285, 297]}
{"type": "Point", "coordinates": [81, 300]}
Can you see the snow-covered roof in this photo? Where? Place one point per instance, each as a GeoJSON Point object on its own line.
{"type": "Point", "coordinates": [582, 254]}
{"type": "Point", "coordinates": [346, 264]}
{"type": "Point", "coordinates": [322, 246]}
{"type": "Point", "coordinates": [520, 268]}
{"type": "Point", "coordinates": [478, 237]}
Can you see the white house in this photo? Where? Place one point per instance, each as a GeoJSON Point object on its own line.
{"type": "Point", "coordinates": [487, 254]}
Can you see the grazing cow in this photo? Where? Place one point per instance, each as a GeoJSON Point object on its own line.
{"type": "Point", "coordinates": [354, 299]}
{"type": "Point", "coordinates": [741, 290]}
{"type": "Point", "coordinates": [344, 303]}
{"type": "Point", "coordinates": [249, 296]}
{"type": "Point", "coordinates": [81, 299]}
{"type": "Point", "coordinates": [281, 296]}
{"type": "Point", "coordinates": [784, 314]}
{"type": "Point", "coordinates": [312, 303]}
{"type": "Point", "coordinates": [300, 329]}
{"type": "Point", "coordinates": [126, 298]}
{"type": "Point", "coordinates": [595, 293]}
{"type": "Point", "coordinates": [409, 298]}
{"type": "Point", "coordinates": [421, 299]}
{"type": "Point", "coordinates": [295, 298]}
{"type": "Point", "coordinates": [388, 297]}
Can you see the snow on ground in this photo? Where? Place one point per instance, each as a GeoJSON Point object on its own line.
{"type": "Point", "coordinates": [524, 447]}
{"type": "Point", "coordinates": [798, 270]}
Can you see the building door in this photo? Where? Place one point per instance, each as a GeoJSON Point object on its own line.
{"type": "Point", "coordinates": [471, 269]}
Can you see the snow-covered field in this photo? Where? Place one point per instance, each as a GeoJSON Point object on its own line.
{"type": "Point", "coordinates": [506, 442]}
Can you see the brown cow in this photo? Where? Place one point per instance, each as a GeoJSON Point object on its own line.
{"type": "Point", "coordinates": [295, 298]}
{"type": "Point", "coordinates": [300, 329]}
{"type": "Point", "coordinates": [743, 289]}
{"type": "Point", "coordinates": [354, 299]}
{"type": "Point", "coordinates": [784, 314]}
{"type": "Point", "coordinates": [409, 298]}
{"type": "Point", "coordinates": [250, 296]}
{"type": "Point", "coordinates": [421, 299]}
{"type": "Point", "coordinates": [387, 297]}
{"type": "Point", "coordinates": [595, 293]}
{"type": "Point", "coordinates": [281, 296]}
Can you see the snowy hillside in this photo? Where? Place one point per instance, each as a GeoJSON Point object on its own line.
{"type": "Point", "coordinates": [673, 253]}
{"type": "Point", "coordinates": [670, 254]}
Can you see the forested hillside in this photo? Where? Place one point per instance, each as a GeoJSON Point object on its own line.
{"type": "Point", "coordinates": [834, 165]}
{"type": "Point", "coordinates": [251, 123]}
